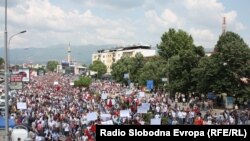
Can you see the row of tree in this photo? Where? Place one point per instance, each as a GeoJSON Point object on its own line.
{"type": "Point", "coordinates": [187, 67]}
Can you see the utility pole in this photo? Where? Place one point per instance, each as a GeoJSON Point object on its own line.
{"type": "Point", "coordinates": [6, 77]}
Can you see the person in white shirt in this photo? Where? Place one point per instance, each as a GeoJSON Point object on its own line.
{"type": "Point", "coordinates": [39, 138]}
{"type": "Point", "coordinates": [174, 122]}
{"type": "Point", "coordinates": [157, 116]}
{"type": "Point", "coordinates": [66, 128]}
{"type": "Point", "coordinates": [84, 138]}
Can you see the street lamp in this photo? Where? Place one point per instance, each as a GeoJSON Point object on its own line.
{"type": "Point", "coordinates": [15, 35]}
{"type": "Point", "coordinates": [11, 38]}
{"type": "Point", "coordinates": [6, 76]}
{"type": "Point", "coordinates": [6, 86]}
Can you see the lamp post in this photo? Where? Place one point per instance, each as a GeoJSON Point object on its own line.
{"type": "Point", "coordinates": [15, 35]}
{"type": "Point", "coordinates": [6, 83]}
{"type": "Point", "coordinates": [10, 40]}
{"type": "Point", "coordinates": [6, 76]}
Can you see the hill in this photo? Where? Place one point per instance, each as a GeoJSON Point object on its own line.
{"type": "Point", "coordinates": [82, 54]}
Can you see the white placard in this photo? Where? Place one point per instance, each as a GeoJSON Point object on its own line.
{"type": "Point", "coordinates": [145, 106]}
{"type": "Point", "coordinates": [109, 122]}
{"type": "Point", "coordinates": [104, 96]}
{"type": "Point", "coordinates": [128, 92]}
{"type": "Point", "coordinates": [71, 84]}
{"type": "Point", "coordinates": [164, 79]}
{"type": "Point", "coordinates": [92, 116]}
{"type": "Point", "coordinates": [142, 94]}
{"type": "Point", "coordinates": [141, 110]}
{"type": "Point", "coordinates": [155, 121]}
{"type": "Point", "coordinates": [55, 83]}
{"type": "Point", "coordinates": [113, 101]}
{"type": "Point", "coordinates": [21, 105]}
{"type": "Point", "coordinates": [124, 113]}
{"type": "Point", "coordinates": [105, 117]}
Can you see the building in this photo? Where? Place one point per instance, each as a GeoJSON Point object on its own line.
{"type": "Point", "coordinates": [110, 56]}
{"type": "Point", "coordinates": [70, 66]}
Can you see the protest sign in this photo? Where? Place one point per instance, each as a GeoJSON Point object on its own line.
{"type": "Point", "coordinates": [105, 117]}
{"type": "Point", "coordinates": [104, 96]}
{"type": "Point", "coordinates": [109, 122]}
{"type": "Point", "coordinates": [155, 121]}
{"type": "Point", "coordinates": [21, 105]}
{"type": "Point", "coordinates": [124, 113]}
{"type": "Point", "coordinates": [92, 116]}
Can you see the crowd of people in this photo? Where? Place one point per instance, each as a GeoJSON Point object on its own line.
{"type": "Point", "coordinates": [56, 109]}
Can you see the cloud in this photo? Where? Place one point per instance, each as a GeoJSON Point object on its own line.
{"type": "Point", "coordinates": [166, 19]}
{"type": "Point", "coordinates": [10, 3]}
{"type": "Point", "coordinates": [47, 21]}
{"type": "Point", "coordinates": [113, 4]}
{"type": "Point", "coordinates": [210, 13]}
{"type": "Point", "coordinates": [203, 36]}
{"type": "Point", "coordinates": [204, 13]}
{"type": "Point", "coordinates": [231, 21]}
{"type": "Point", "coordinates": [204, 20]}
{"type": "Point", "coordinates": [115, 21]}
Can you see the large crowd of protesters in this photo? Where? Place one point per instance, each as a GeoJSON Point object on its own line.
{"type": "Point", "coordinates": [56, 109]}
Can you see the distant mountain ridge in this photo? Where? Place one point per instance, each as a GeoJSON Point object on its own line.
{"type": "Point", "coordinates": [81, 54]}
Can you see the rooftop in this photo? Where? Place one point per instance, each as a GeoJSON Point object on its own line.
{"type": "Point", "coordinates": [125, 48]}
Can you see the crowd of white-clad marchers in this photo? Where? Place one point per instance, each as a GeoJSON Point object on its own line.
{"type": "Point", "coordinates": [55, 109]}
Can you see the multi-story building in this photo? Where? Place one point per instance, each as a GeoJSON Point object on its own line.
{"type": "Point", "coordinates": [110, 56]}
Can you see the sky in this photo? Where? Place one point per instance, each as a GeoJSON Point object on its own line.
{"type": "Point", "coordinates": [120, 22]}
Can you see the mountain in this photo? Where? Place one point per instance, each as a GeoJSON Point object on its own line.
{"type": "Point", "coordinates": [81, 54]}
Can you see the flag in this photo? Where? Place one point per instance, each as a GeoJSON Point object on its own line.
{"type": "Point", "coordinates": [150, 84]}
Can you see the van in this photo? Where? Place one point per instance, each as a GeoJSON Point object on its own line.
{"type": "Point", "coordinates": [19, 132]}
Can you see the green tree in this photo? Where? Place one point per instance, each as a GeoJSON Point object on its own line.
{"type": "Point", "coordinates": [172, 42]}
{"type": "Point", "coordinates": [154, 69]}
{"type": "Point", "coordinates": [178, 49]}
{"type": "Point", "coordinates": [52, 65]}
{"type": "Point", "coordinates": [122, 66]}
{"type": "Point", "coordinates": [41, 71]}
{"type": "Point", "coordinates": [207, 67]}
{"type": "Point", "coordinates": [222, 72]}
{"type": "Point", "coordinates": [83, 82]}
{"type": "Point", "coordinates": [99, 67]}
{"type": "Point", "coordinates": [1, 63]}
{"type": "Point", "coordinates": [137, 63]}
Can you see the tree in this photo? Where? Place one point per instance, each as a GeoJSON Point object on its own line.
{"type": "Point", "coordinates": [83, 82]}
{"type": "Point", "coordinates": [1, 63]}
{"type": "Point", "coordinates": [121, 67]}
{"type": "Point", "coordinates": [52, 65]}
{"type": "Point", "coordinates": [99, 67]}
{"type": "Point", "coordinates": [172, 42]}
{"type": "Point", "coordinates": [202, 74]}
{"type": "Point", "coordinates": [154, 69]}
{"type": "Point", "coordinates": [41, 71]}
{"type": "Point", "coordinates": [137, 63]}
{"type": "Point", "coordinates": [222, 72]}
{"type": "Point", "coordinates": [178, 49]}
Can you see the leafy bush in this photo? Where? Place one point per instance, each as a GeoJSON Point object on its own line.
{"type": "Point", "coordinates": [83, 82]}
{"type": "Point", "coordinates": [147, 117]}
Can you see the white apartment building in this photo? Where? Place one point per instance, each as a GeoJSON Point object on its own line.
{"type": "Point", "coordinates": [110, 56]}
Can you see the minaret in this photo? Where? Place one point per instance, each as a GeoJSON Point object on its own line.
{"type": "Point", "coordinates": [69, 54]}
{"type": "Point", "coordinates": [224, 25]}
